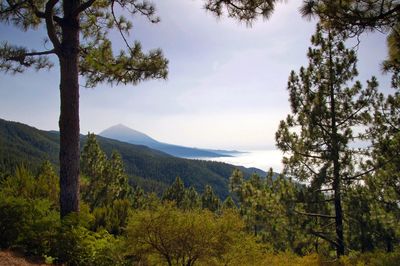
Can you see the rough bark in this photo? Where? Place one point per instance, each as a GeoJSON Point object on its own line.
{"type": "Point", "coordinates": [69, 112]}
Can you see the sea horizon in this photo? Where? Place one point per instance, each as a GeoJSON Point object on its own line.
{"type": "Point", "coordinates": [263, 159]}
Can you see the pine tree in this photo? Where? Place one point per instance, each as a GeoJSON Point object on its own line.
{"type": "Point", "coordinates": [78, 35]}
{"type": "Point", "coordinates": [176, 192]}
{"type": "Point", "coordinates": [47, 185]}
{"type": "Point", "coordinates": [93, 163]}
{"type": "Point", "coordinates": [105, 179]}
{"type": "Point", "coordinates": [229, 204]}
{"type": "Point", "coordinates": [235, 183]}
{"type": "Point", "coordinates": [116, 179]}
{"type": "Point", "coordinates": [138, 198]}
{"type": "Point", "coordinates": [93, 159]}
{"type": "Point", "coordinates": [191, 199]}
{"type": "Point", "coordinates": [327, 117]}
{"type": "Point", "coordinates": [209, 200]}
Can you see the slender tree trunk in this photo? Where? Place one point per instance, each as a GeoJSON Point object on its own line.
{"type": "Point", "coordinates": [69, 113]}
{"type": "Point", "coordinates": [335, 159]}
{"type": "Point", "coordinates": [338, 209]}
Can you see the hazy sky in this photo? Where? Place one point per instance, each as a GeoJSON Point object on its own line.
{"type": "Point", "coordinates": [226, 86]}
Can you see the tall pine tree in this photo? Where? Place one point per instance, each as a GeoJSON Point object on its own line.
{"type": "Point", "coordinates": [327, 122]}
{"type": "Point", "coordinates": [78, 35]}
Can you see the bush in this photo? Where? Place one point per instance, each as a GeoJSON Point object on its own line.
{"type": "Point", "coordinates": [30, 225]}
{"type": "Point", "coordinates": [15, 220]}
{"type": "Point", "coordinates": [77, 245]}
{"type": "Point", "coordinates": [168, 235]}
{"type": "Point", "coordinates": [113, 218]}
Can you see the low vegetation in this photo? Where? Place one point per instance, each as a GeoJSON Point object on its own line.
{"type": "Point", "coordinates": [259, 224]}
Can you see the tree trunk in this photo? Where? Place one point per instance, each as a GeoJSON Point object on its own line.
{"type": "Point", "coordinates": [338, 210]}
{"type": "Point", "coordinates": [69, 113]}
{"type": "Point", "coordinates": [335, 159]}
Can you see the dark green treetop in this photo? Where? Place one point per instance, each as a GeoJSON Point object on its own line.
{"type": "Point", "coordinates": [355, 17]}
{"type": "Point", "coordinates": [97, 61]}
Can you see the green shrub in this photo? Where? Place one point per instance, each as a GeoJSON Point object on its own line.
{"type": "Point", "coordinates": [168, 235]}
{"type": "Point", "coordinates": [113, 217]}
{"type": "Point", "coordinates": [27, 224]}
{"type": "Point", "coordinates": [40, 236]}
{"type": "Point", "coordinates": [77, 245]}
{"type": "Point", "coordinates": [15, 220]}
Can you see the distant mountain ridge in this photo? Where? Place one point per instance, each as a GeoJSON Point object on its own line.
{"type": "Point", "coordinates": [123, 133]}
{"type": "Point", "coordinates": [151, 169]}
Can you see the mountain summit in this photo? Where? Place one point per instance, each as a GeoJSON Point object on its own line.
{"type": "Point", "coordinates": [123, 133]}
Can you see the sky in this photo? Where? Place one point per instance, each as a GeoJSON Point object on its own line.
{"type": "Point", "coordinates": [226, 87]}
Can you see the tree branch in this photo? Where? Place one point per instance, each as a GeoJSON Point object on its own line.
{"type": "Point", "coordinates": [387, 120]}
{"type": "Point", "coordinates": [380, 165]}
{"type": "Point", "coordinates": [147, 12]}
{"type": "Point", "coordinates": [16, 59]}
{"type": "Point", "coordinates": [21, 57]}
{"type": "Point", "coordinates": [388, 13]}
{"type": "Point", "coordinates": [11, 7]}
{"type": "Point", "coordinates": [328, 224]}
{"type": "Point", "coordinates": [319, 201]}
{"type": "Point", "coordinates": [315, 215]}
{"type": "Point", "coordinates": [83, 7]}
{"type": "Point", "coordinates": [308, 167]}
{"type": "Point", "coordinates": [324, 237]}
{"type": "Point", "coordinates": [41, 14]}
{"type": "Point", "coordinates": [322, 127]}
{"type": "Point", "coordinates": [304, 154]}
{"type": "Point", "coordinates": [119, 28]}
{"type": "Point", "coordinates": [357, 111]}
{"type": "Point", "coordinates": [323, 190]}
{"type": "Point", "coordinates": [51, 31]}
{"type": "Point", "coordinates": [342, 16]}
{"type": "Point", "coordinates": [350, 116]}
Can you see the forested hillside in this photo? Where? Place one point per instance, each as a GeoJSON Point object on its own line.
{"type": "Point", "coordinates": [151, 169]}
